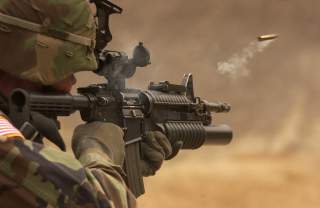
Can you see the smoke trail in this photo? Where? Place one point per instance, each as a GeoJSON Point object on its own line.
{"type": "Point", "coordinates": [237, 64]}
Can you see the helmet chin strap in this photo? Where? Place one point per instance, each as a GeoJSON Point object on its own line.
{"type": "Point", "coordinates": [38, 28]}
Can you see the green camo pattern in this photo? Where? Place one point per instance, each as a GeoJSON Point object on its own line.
{"type": "Point", "coordinates": [42, 58]}
{"type": "Point", "coordinates": [32, 175]}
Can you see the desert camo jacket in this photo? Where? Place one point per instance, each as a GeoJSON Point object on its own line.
{"type": "Point", "coordinates": [33, 175]}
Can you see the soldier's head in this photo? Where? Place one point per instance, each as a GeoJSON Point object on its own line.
{"type": "Point", "coordinates": [46, 41]}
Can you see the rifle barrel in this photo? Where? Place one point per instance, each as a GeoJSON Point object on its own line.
{"type": "Point", "coordinates": [217, 107]}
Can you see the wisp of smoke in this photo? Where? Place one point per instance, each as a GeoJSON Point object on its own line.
{"type": "Point", "coordinates": [237, 64]}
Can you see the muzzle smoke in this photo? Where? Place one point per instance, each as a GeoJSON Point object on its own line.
{"type": "Point", "coordinates": [237, 65]}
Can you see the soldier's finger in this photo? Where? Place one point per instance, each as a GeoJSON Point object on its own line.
{"type": "Point", "coordinates": [151, 140]}
{"type": "Point", "coordinates": [146, 169]}
{"type": "Point", "coordinates": [164, 143]}
{"type": "Point", "coordinates": [150, 153]}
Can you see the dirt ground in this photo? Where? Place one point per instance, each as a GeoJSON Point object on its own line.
{"type": "Point", "coordinates": [236, 181]}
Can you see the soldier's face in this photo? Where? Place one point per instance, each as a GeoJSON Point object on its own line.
{"type": "Point", "coordinates": [66, 84]}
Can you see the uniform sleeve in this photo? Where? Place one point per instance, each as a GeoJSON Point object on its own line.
{"type": "Point", "coordinates": [56, 178]}
{"type": "Point", "coordinates": [108, 177]}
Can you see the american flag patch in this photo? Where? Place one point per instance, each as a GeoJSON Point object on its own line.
{"type": "Point", "coordinates": [7, 130]}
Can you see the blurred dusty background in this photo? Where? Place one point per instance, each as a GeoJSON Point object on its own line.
{"type": "Point", "coordinates": [273, 160]}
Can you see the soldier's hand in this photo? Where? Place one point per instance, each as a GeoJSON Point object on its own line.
{"type": "Point", "coordinates": [106, 138]}
{"type": "Point", "coordinates": [155, 149]}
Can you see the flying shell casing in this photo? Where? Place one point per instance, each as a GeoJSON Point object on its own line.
{"type": "Point", "coordinates": [267, 37]}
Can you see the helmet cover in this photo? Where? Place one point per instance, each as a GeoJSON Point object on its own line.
{"type": "Point", "coordinates": [48, 55]}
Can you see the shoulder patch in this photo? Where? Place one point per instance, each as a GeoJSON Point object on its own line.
{"type": "Point", "coordinates": [8, 131]}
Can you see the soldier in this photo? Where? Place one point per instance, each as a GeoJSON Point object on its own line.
{"type": "Point", "coordinates": [42, 44]}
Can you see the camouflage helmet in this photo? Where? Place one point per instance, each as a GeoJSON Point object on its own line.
{"type": "Point", "coordinates": [45, 41]}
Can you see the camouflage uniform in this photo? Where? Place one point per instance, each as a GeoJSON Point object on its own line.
{"type": "Point", "coordinates": [33, 175]}
{"type": "Point", "coordinates": [48, 41]}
